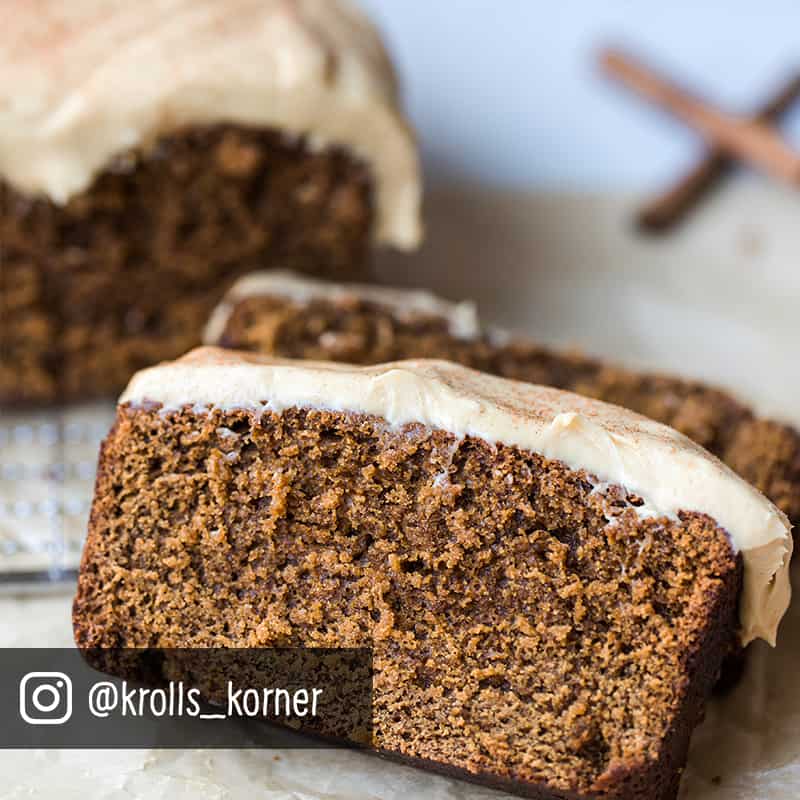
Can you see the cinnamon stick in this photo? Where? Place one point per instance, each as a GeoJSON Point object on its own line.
{"type": "Point", "coordinates": [751, 140]}
{"type": "Point", "coordinates": [669, 207]}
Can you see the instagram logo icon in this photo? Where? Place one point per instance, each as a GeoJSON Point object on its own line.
{"type": "Point", "coordinates": [45, 698]}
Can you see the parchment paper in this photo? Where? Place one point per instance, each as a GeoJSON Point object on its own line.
{"type": "Point", "coordinates": [718, 301]}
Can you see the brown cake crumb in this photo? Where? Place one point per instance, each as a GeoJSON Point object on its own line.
{"type": "Point", "coordinates": [358, 331]}
{"type": "Point", "coordinates": [529, 630]}
{"type": "Point", "coordinates": [126, 273]}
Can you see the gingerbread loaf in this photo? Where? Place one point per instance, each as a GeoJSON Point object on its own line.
{"type": "Point", "coordinates": [548, 584]}
{"type": "Point", "coordinates": [151, 152]}
{"type": "Point", "coordinates": [293, 317]}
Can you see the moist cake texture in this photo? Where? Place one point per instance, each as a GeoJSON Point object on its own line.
{"type": "Point", "coordinates": [293, 317]}
{"type": "Point", "coordinates": [152, 152]}
{"type": "Point", "coordinates": [536, 623]}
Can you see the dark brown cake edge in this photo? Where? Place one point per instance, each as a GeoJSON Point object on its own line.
{"type": "Point", "coordinates": [662, 777]}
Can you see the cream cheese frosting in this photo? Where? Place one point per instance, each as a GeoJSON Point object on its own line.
{"type": "Point", "coordinates": [85, 80]}
{"type": "Point", "coordinates": [669, 471]}
{"type": "Point", "coordinates": [403, 304]}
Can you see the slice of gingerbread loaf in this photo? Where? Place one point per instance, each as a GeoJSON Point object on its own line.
{"type": "Point", "coordinates": [293, 317]}
{"type": "Point", "coordinates": [152, 151]}
{"type": "Point", "coordinates": [548, 584]}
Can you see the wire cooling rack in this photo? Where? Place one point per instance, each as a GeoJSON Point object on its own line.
{"type": "Point", "coordinates": [47, 467]}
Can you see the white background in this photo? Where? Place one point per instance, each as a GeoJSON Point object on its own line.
{"type": "Point", "coordinates": [508, 90]}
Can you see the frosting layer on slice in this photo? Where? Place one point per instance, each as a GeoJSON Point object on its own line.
{"type": "Point", "coordinates": [668, 471]}
{"type": "Point", "coordinates": [461, 318]}
{"type": "Point", "coordinates": [85, 80]}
